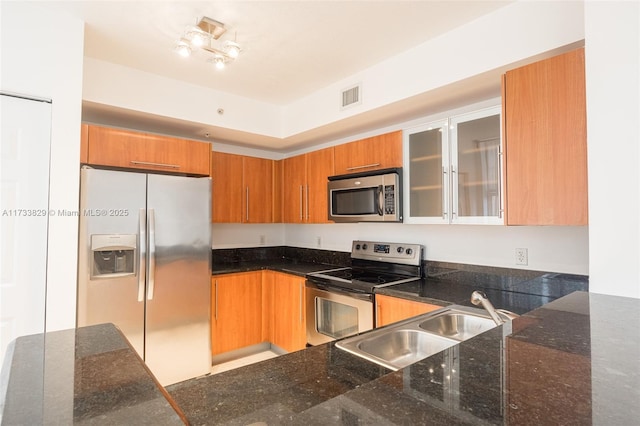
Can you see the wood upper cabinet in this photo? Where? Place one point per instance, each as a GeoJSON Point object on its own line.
{"type": "Point", "coordinates": [257, 182]}
{"type": "Point", "coordinates": [293, 190]}
{"type": "Point", "coordinates": [377, 152]}
{"type": "Point", "coordinates": [236, 311]}
{"type": "Point", "coordinates": [393, 309]}
{"type": "Point", "coordinates": [545, 142]}
{"type": "Point", "coordinates": [242, 189]}
{"type": "Point", "coordinates": [319, 167]}
{"type": "Point", "coordinates": [305, 186]}
{"type": "Point", "coordinates": [284, 310]}
{"type": "Point", "coordinates": [112, 147]}
{"type": "Point", "coordinates": [226, 176]}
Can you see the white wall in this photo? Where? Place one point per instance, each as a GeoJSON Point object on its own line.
{"type": "Point", "coordinates": [116, 85]}
{"type": "Point", "coordinates": [46, 61]}
{"type": "Point", "coordinates": [612, 51]}
{"type": "Point", "coordinates": [511, 34]}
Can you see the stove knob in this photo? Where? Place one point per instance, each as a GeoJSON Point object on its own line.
{"type": "Point", "coordinates": [364, 247]}
{"type": "Point", "coordinates": [400, 249]}
{"type": "Point", "coordinates": [409, 251]}
{"type": "Point", "coordinates": [357, 246]}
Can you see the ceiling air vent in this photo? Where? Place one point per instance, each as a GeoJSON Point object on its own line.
{"type": "Point", "coordinates": [351, 96]}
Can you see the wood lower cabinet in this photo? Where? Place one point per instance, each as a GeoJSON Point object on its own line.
{"type": "Point", "coordinates": [544, 106]}
{"type": "Point", "coordinates": [106, 146]}
{"type": "Point", "coordinates": [284, 310]}
{"type": "Point", "coordinates": [377, 152]}
{"type": "Point", "coordinates": [242, 188]}
{"type": "Point", "coordinates": [393, 309]}
{"type": "Point", "coordinates": [236, 311]}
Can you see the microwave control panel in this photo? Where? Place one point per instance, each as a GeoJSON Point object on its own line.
{"type": "Point", "coordinates": [389, 199]}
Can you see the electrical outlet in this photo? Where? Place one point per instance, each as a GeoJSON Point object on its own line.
{"type": "Point", "coordinates": [318, 242]}
{"type": "Point", "coordinates": [262, 240]}
{"type": "Point", "coordinates": [522, 256]}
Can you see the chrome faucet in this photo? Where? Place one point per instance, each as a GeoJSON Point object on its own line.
{"type": "Point", "coordinates": [479, 298]}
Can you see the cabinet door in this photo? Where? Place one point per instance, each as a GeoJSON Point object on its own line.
{"type": "Point", "coordinates": [127, 149]}
{"type": "Point", "coordinates": [476, 167]}
{"type": "Point", "coordinates": [377, 152]}
{"type": "Point", "coordinates": [393, 309]}
{"type": "Point", "coordinates": [319, 168]}
{"type": "Point", "coordinates": [426, 153]}
{"type": "Point", "coordinates": [287, 318]}
{"type": "Point", "coordinates": [257, 198]}
{"type": "Point", "coordinates": [236, 311]}
{"type": "Point", "coordinates": [278, 187]}
{"type": "Point", "coordinates": [226, 174]}
{"type": "Point", "coordinates": [294, 189]}
{"type": "Point", "coordinates": [545, 143]}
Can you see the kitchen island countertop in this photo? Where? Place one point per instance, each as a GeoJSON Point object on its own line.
{"type": "Point", "coordinates": [88, 375]}
{"type": "Point", "coordinates": [572, 361]}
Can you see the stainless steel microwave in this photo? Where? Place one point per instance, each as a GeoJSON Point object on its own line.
{"type": "Point", "coordinates": [374, 196]}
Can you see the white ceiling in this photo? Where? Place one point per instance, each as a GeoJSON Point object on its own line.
{"type": "Point", "coordinates": [290, 48]}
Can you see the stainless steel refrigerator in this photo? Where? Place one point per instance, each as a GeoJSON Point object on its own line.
{"type": "Point", "coordinates": [144, 264]}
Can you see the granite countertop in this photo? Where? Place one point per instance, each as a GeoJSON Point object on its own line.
{"type": "Point", "coordinates": [88, 375]}
{"type": "Point", "coordinates": [290, 266]}
{"type": "Point", "coordinates": [553, 365]}
{"type": "Point", "coordinates": [518, 291]}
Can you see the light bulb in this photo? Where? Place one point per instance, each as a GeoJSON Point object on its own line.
{"type": "Point", "coordinates": [219, 61]}
{"type": "Point", "coordinates": [183, 49]}
{"type": "Point", "coordinates": [233, 49]}
{"type": "Point", "coordinates": [197, 40]}
{"type": "Point", "coordinates": [196, 36]}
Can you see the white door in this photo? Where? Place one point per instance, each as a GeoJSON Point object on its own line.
{"type": "Point", "coordinates": [24, 211]}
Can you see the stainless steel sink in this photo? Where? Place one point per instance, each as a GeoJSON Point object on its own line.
{"type": "Point", "coordinates": [403, 343]}
{"type": "Point", "coordinates": [457, 325]}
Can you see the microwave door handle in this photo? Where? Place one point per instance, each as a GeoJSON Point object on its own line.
{"type": "Point", "coordinates": [380, 200]}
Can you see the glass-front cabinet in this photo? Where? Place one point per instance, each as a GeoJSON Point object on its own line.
{"type": "Point", "coordinates": [453, 170]}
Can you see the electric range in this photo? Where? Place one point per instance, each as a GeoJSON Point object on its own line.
{"type": "Point", "coordinates": [339, 302]}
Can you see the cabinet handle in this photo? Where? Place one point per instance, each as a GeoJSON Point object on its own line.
{"type": "Point", "coordinates": [301, 294]}
{"type": "Point", "coordinates": [377, 319]}
{"type": "Point", "coordinates": [301, 212]}
{"type": "Point", "coordinates": [500, 200]}
{"type": "Point", "coordinates": [215, 312]}
{"type": "Point", "coordinates": [453, 191]}
{"type": "Point", "coordinates": [306, 198]}
{"type": "Point", "coordinates": [444, 196]}
{"type": "Point", "coordinates": [363, 167]}
{"type": "Point", "coordinates": [146, 163]}
{"type": "Point", "coordinates": [247, 204]}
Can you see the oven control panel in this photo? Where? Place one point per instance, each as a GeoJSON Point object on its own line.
{"type": "Point", "coordinates": [408, 254]}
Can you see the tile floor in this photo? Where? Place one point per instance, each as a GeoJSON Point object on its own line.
{"type": "Point", "coordinates": [240, 362]}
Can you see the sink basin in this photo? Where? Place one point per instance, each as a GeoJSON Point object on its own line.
{"type": "Point", "coordinates": [457, 326]}
{"type": "Point", "coordinates": [398, 348]}
{"type": "Point", "coordinates": [406, 342]}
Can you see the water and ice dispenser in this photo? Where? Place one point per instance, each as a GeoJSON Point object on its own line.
{"type": "Point", "coordinates": [113, 255]}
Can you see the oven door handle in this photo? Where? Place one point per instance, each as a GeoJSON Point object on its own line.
{"type": "Point", "coordinates": [336, 290]}
{"type": "Point", "coordinates": [380, 200]}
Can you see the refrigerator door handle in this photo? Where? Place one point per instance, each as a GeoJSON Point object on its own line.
{"type": "Point", "coordinates": [152, 254]}
{"type": "Point", "coordinates": [142, 265]}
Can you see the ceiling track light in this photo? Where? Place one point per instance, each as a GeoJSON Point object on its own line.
{"type": "Point", "coordinates": [205, 37]}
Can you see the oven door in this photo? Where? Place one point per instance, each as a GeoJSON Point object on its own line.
{"type": "Point", "coordinates": [335, 313]}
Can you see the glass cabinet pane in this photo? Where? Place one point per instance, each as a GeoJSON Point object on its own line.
{"type": "Point", "coordinates": [477, 175]}
{"type": "Point", "coordinates": [426, 174]}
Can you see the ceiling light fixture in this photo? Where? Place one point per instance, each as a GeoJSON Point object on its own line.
{"type": "Point", "coordinates": [205, 37]}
